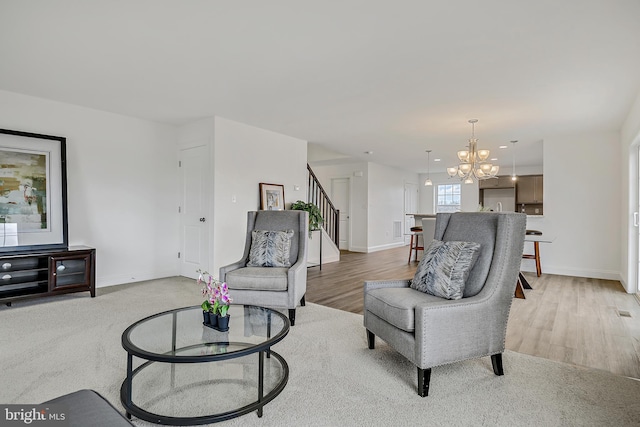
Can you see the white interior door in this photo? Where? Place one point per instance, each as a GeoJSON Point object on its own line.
{"type": "Point", "coordinates": [410, 207]}
{"type": "Point", "coordinates": [340, 196]}
{"type": "Point", "coordinates": [194, 226]}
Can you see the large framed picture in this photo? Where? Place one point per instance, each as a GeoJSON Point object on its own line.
{"type": "Point", "coordinates": [271, 197]}
{"type": "Point", "coordinates": [33, 191]}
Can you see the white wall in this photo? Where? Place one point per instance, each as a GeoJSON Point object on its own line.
{"type": "Point", "coordinates": [377, 200]}
{"type": "Point", "coordinates": [358, 175]}
{"type": "Point", "coordinates": [122, 184]}
{"type": "Point", "coordinates": [123, 181]}
{"type": "Point", "coordinates": [244, 156]}
{"type": "Point", "coordinates": [582, 204]}
{"type": "Point", "coordinates": [123, 189]}
{"type": "Point", "coordinates": [630, 139]}
{"type": "Point", "coordinates": [582, 199]}
{"type": "Point", "coordinates": [386, 205]}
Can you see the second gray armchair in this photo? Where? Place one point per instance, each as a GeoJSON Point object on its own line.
{"type": "Point", "coordinates": [431, 330]}
{"type": "Point", "coordinates": [283, 285]}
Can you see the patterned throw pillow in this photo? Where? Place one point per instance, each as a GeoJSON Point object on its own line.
{"type": "Point", "coordinates": [270, 248]}
{"type": "Point", "coordinates": [444, 268]}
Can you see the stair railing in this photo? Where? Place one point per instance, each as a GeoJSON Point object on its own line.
{"type": "Point", "coordinates": [330, 214]}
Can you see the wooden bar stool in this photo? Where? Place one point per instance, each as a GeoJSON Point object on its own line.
{"type": "Point", "coordinates": [415, 232]}
{"type": "Point", "coordinates": [536, 251]}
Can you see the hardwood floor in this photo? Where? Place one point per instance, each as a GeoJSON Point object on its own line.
{"type": "Point", "coordinates": [587, 322]}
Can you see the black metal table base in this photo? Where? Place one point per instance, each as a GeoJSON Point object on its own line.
{"type": "Point", "coordinates": [258, 405]}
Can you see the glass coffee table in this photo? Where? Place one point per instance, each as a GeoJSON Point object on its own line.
{"type": "Point", "coordinates": [192, 374]}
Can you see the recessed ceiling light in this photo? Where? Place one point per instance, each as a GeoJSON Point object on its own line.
{"type": "Point", "coordinates": [503, 146]}
{"type": "Point", "coordinates": [494, 159]}
{"type": "Point", "coordinates": [437, 160]}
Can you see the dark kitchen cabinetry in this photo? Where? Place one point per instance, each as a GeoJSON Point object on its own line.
{"type": "Point", "coordinates": [529, 189]}
{"type": "Point", "coordinates": [523, 195]}
{"type": "Point", "coordinates": [529, 194]}
{"type": "Point", "coordinates": [498, 182]}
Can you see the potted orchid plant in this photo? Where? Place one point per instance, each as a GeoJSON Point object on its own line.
{"type": "Point", "coordinates": [223, 300]}
{"type": "Point", "coordinates": [209, 305]}
{"type": "Point", "coordinates": [216, 303]}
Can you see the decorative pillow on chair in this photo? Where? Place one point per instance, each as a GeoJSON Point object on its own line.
{"type": "Point", "coordinates": [444, 268]}
{"type": "Point", "coordinates": [270, 248]}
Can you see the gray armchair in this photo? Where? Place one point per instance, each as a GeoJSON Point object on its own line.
{"type": "Point", "coordinates": [431, 331]}
{"type": "Point", "coordinates": [278, 287]}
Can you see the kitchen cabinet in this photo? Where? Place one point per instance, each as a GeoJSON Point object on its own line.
{"type": "Point", "coordinates": [529, 189]}
{"type": "Point", "coordinates": [498, 193]}
{"type": "Point", "coordinates": [529, 194]}
{"type": "Point", "coordinates": [498, 182]}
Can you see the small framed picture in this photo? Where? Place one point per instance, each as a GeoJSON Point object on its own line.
{"type": "Point", "coordinates": [271, 197]}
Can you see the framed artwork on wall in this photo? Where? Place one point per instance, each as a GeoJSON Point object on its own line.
{"type": "Point", "coordinates": [33, 191]}
{"type": "Point", "coordinates": [271, 197]}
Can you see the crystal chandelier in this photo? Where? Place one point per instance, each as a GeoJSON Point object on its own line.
{"type": "Point", "coordinates": [473, 161]}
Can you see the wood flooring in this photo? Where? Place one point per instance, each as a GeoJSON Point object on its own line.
{"type": "Point", "coordinates": [586, 322]}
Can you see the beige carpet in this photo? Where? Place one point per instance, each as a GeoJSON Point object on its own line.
{"type": "Point", "coordinates": [59, 345]}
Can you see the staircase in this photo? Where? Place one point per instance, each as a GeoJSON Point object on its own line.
{"type": "Point", "coordinates": [330, 214]}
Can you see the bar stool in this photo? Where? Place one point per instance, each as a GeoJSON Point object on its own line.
{"type": "Point", "coordinates": [536, 251]}
{"type": "Point", "coordinates": [415, 232]}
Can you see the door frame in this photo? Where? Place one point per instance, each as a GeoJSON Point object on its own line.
{"type": "Point", "coordinates": [350, 231]}
{"type": "Point", "coordinates": [207, 186]}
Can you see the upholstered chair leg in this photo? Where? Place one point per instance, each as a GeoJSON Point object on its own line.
{"type": "Point", "coordinates": [424, 377]}
{"type": "Point", "coordinates": [292, 316]}
{"type": "Point", "coordinates": [302, 301]}
{"type": "Point", "coordinates": [371, 339]}
{"type": "Point", "coordinates": [496, 361]}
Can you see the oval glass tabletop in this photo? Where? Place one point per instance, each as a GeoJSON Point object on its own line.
{"type": "Point", "coordinates": [180, 335]}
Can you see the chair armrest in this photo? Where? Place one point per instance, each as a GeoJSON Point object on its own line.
{"type": "Point", "coordinates": [469, 327]}
{"type": "Point", "coordinates": [452, 314]}
{"type": "Point", "coordinates": [295, 270]}
{"type": "Point", "coordinates": [370, 285]}
{"type": "Point", "coordinates": [228, 268]}
{"type": "Point", "coordinates": [297, 280]}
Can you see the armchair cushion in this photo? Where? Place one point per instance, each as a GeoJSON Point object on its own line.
{"type": "Point", "coordinates": [270, 248]}
{"type": "Point", "coordinates": [258, 278]}
{"type": "Point", "coordinates": [397, 305]}
{"type": "Point", "coordinates": [444, 269]}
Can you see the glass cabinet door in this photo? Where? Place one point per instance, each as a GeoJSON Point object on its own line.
{"type": "Point", "coordinates": [70, 271]}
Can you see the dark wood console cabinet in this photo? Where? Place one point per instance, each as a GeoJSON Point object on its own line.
{"type": "Point", "coordinates": [46, 273]}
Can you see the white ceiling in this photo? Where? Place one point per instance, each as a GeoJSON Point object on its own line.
{"type": "Point", "coordinates": [392, 77]}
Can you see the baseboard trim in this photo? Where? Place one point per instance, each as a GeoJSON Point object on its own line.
{"type": "Point", "coordinates": [105, 281]}
{"type": "Point", "coordinates": [594, 274]}
{"type": "Point", "coordinates": [383, 247]}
